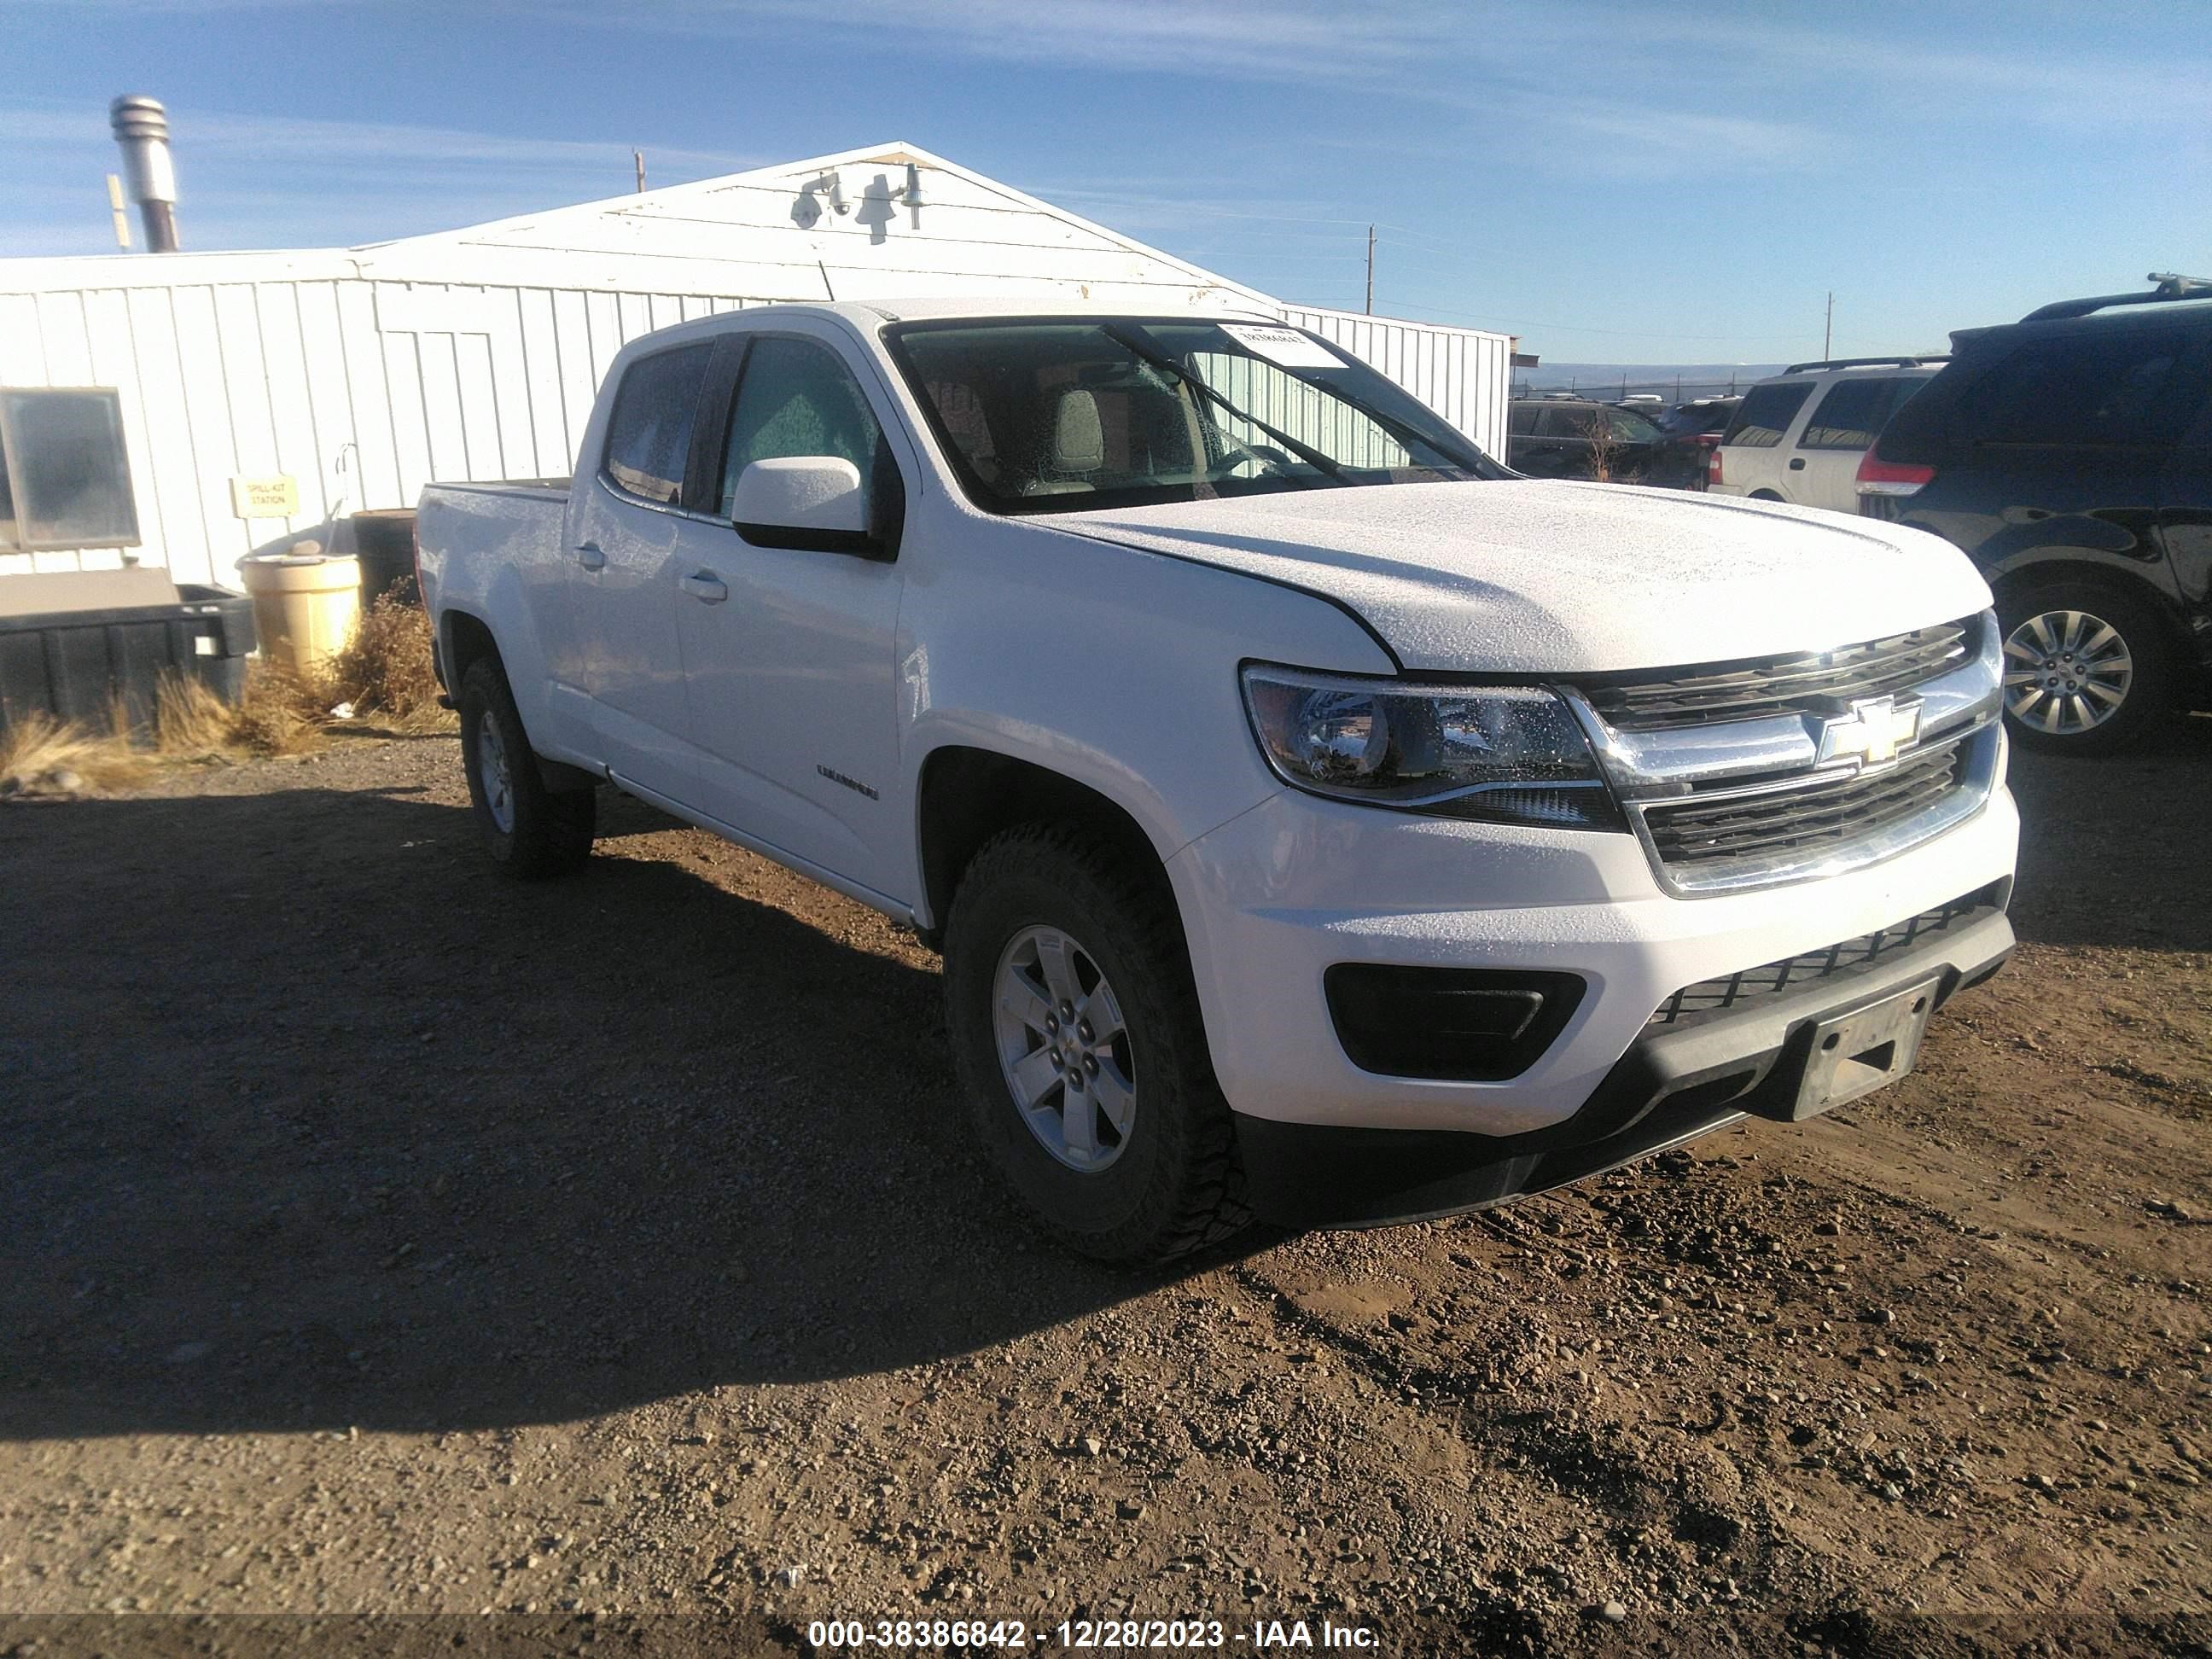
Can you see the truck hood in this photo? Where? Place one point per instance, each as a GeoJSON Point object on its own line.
{"type": "Point", "coordinates": [1540, 577]}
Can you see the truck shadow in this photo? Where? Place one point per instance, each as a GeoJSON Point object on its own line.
{"type": "Point", "coordinates": [2112, 848]}
{"type": "Point", "coordinates": [310, 1119]}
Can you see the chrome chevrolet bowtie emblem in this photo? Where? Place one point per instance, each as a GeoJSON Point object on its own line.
{"type": "Point", "coordinates": [1875, 730]}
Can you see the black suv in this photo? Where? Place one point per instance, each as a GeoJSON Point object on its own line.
{"type": "Point", "coordinates": [1573, 437]}
{"type": "Point", "coordinates": [2070, 455]}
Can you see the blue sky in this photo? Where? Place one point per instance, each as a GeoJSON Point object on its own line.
{"type": "Point", "coordinates": [1643, 183]}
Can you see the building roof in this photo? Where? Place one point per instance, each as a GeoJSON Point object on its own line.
{"type": "Point", "coordinates": [836, 227]}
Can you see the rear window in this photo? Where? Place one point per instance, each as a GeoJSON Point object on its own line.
{"type": "Point", "coordinates": [649, 433]}
{"type": "Point", "coordinates": [1571, 421]}
{"type": "Point", "coordinates": [2083, 391]}
{"type": "Point", "coordinates": [1765, 415]}
{"type": "Point", "coordinates": [1853, 413]}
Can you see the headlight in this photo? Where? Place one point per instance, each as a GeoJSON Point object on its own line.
{"type": "Point", "coordinates": [1506, 754]}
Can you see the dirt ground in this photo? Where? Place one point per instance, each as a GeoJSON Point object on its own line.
{"type": "Point", "coordinates": [381, 1237]}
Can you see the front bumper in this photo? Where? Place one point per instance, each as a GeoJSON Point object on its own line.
{"type": "Point", "coordinates": [1675, 1083]}
{"type": "Point", "coordinates": [1276, 896]}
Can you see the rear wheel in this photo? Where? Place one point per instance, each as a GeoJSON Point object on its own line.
{"type": "Point", "coordinates": [529, 830]}
{"type": "Point", "coordinates": [1075, 1028]}
{"type": "Point", "coordinates": [2087, 668]}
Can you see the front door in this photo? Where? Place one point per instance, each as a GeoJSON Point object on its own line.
{"type": "Point", "coordinates": [789, 649]}
{"type": "Point", "coordinates": [627, 534]}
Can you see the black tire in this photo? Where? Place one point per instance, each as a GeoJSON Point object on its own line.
{"type": "Point", "coordinates": [1176, 1184]}
{"type": "Point", "coordinates": [1763, 495]}
{"type": "Point", "coordinates": [2146, 704]}
{"type": "Point", "coordinates": [548, 832]}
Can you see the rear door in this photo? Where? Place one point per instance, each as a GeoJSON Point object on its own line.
{"type": "Point", "coordinates": [790, 649]}
{"type": "Point", "coordinates": [626, 528]}
{"type": "Point", "coordinates": [1849, 414]}
{"type": "Point", "coordinates": [1560, 446]}
{"type": "Point", "coordinates": [1751, 449]}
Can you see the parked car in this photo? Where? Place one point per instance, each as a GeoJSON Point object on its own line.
{"type": "Point", "coordinates": [1798, 437]}
{"type": "Point", "coordinates": [2070, 455]}
{"type": "Point", "coordinates": [1691, 429]}
{"type": "Point", "coordinates": [1315, 818]}
{"type": "Point", "coordinates": [1570, 437]}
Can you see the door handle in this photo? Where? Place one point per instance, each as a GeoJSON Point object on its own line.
{"type": "Point", "coordinates": [1796, 463]}
{"type": "Point", "coordinates": [706, 587]}
{"type": "Point", "coordinates": [590, 557]}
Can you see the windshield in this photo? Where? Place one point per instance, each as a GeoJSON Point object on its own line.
{"type": "Point", "coordinates": [1063, 415]}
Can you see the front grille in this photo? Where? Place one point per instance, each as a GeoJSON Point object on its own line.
{"type": "Point", "coordinates": [1793, 824]}
{"type": "Point", "coordinates": [1817, 682]}
{"type": "Point", "coordinates": [1710, 996]}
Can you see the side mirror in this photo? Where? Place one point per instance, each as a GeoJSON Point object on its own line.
{"type": "Point", "coordinates": [812, 502]}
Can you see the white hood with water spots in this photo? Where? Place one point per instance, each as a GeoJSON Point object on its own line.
{"type": "Point", "coordinates": [1524, 576]}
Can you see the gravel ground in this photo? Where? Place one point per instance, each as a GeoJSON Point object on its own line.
{"type": "Point", "coordinates": [384, 1237]}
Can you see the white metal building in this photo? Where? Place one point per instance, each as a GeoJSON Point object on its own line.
{"type": "Point", "coordinates": [261, 396]}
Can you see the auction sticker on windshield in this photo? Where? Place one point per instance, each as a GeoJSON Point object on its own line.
{"type": "Point", "coordinates": [1285, 347]}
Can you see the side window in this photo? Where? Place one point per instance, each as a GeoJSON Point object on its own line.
{"type": "Point", "coordinates": [1763, 418]}
{"type": "Point", "coordinates": [64, 482]}
{"type": "Point", "coordinates": [797, 397]}
{"type": "Point", "coordinates": [2085, 390]}
{"type": "Point", "coordinates": [649, 433]}
{"type": "Point", "coordinates": [1568, 423]}
{"type": "Point", "coordinates": [1852, 415]}
{"type": "Point", "coordinates": [1521, 422]}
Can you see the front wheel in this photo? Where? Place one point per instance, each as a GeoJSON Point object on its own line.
{"type": "Point", "coordinates": [529, 830]}
{"type": "Point", "coordinates": [2087, 668]}
{"type": "Point", "coordinates": [1075, 1029]}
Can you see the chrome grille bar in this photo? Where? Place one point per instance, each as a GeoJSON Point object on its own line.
{"type": "Point", "coordinates": [1800, 792]}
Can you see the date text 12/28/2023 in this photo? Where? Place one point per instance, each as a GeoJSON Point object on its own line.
{"type": "Point", "coordinates": [977, 1635]}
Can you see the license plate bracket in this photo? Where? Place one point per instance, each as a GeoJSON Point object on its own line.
{"type": "Point", "coordinates": [1855, 1053]}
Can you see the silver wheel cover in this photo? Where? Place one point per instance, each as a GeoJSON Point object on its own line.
{"type": "Point", "coordinates": [1064, 1048]}
{"type": "Point", "coordinates": [2066, 671]}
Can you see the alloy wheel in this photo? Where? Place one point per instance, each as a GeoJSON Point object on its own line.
{"type": "Point", "coordinates": [492, 772]}
{"type": "Point", "coordinates": [2066, 671]}
{"type": "Point", "coordinates": [1064, 1048]}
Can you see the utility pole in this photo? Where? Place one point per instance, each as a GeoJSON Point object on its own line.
{"type": "Point", "coordinates": [1828, 328]}
{"type": "Point", "coordinates": [638, 156]}
{"type": "Point", "coordinates": [1370, 270]}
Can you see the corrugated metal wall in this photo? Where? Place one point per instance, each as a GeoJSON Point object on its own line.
{"type": "Point", "coordinates": [312, 379]}
{"type": "Point", "coordinates": [364, 392]}
{"type": "Point", "coordinates": [1464, 374]}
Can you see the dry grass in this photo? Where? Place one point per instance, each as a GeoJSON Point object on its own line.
{"type": "Point", "coordinates": [190, 721]}
{"type": "Point", "coordinates": [283, 712]}
{"type": "Point", "coordinates": [388, 671]}
{"type": "Point", "coordinates": [42, 756]}
{"type": "Point", "coordinates": [385, 674]}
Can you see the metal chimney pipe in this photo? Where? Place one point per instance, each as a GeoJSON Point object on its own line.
{"type": "Point", "coordinates": [142, 129]}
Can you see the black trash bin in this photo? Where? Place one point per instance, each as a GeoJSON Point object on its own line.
{"type": "Point", "coordinates": [384, 542]}
{"type": "Point", "coordinates": [72, 644]}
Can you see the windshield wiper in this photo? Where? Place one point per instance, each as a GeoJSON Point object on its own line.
{"type": "Point", "coordinates": [1166, 364]}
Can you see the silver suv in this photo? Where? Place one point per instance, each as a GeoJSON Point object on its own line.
{"type": "Point", "coordinates": [1798, 437]}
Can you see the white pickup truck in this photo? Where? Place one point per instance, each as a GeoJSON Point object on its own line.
{"type": "Point", "coordinates": [1316, 820]}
